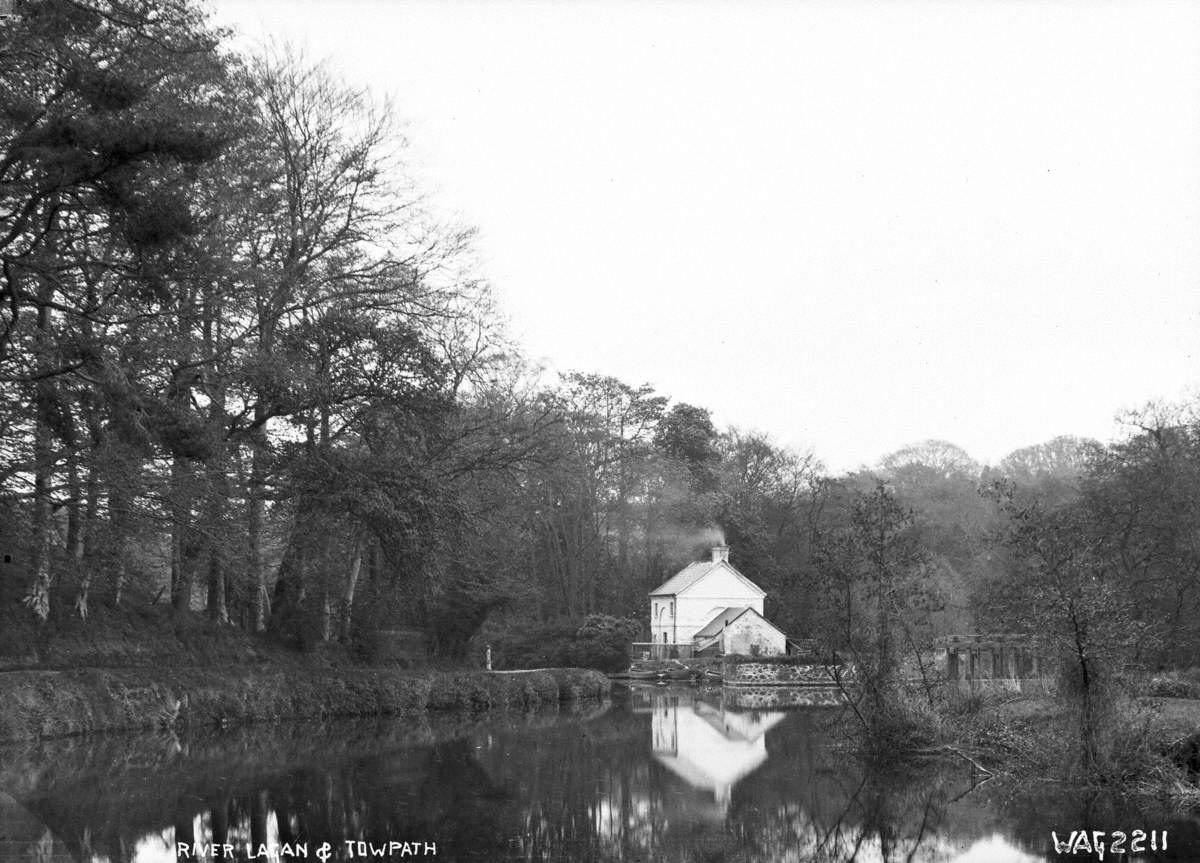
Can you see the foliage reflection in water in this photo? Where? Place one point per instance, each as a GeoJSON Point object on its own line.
{"type": "Point", "coordinates": [664, 774]}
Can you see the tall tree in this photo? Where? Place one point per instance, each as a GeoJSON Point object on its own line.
{"type": "Point", "coordinates": [1065, 591]}
{"type": "Point", "coordinates": [107, 110]}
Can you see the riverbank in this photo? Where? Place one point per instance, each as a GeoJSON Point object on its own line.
{"type": "Point", "coordinates": [143, 666]}
{"type": "Point", "coordinates": [1142, 747]}
{"type": "Point", "coordinates": [40, 704]}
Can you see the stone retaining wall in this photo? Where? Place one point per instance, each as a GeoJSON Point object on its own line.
{"type": "Point", "coordinates": [780, 674]}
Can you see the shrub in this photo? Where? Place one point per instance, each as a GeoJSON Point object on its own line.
{"type": "Point", "coordinates": [1190, 674]}
{"type": "Point", "coordinates": [541, 645]}
{"type": "Point", "coordinates": [998, 739]}
{"type": "Point", "coordinates": [1172, 685]}
{"type": "Point", "coordinates": [957, 701]}
{"type": "Point", "coordinates": [1136, 752]}
{"type": "Point", "coordinates": [600, 642]}
{"type": "Point", "coordinates": [897, 725]}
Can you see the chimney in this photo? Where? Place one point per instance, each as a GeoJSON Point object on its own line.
{"type": "Point", "coordinates": [720, 554]}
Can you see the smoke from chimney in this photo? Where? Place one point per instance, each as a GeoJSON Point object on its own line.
{"type": "Point", "coordinates": [714, 535]}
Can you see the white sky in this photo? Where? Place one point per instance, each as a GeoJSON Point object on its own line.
{"type": "Point", "coordinates": [852, 225]}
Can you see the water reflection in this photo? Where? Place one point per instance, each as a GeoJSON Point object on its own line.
{"type": "Point", "coordinates": [708, 746]}
{"type": "Point", "coordinates": [667, 774]}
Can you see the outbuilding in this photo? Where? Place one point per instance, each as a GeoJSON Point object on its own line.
{"type": "Point", "coordinates": [740, 630]}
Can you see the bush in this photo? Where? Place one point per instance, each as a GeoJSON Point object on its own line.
{"type": "Point", "coordinates": [998, 740]}
{"type": "Point", "coordinates": [897, 726]}
{"type": "Point", "coordinates": [1173, 685]}
{"type": "Point", "coordinates": [957, 701]}
{"type": "Point", "coordinates": [532, 646]}
{"type": "Point", "coordinates": [600, 642]}
{"type": "Point", "coordinates": [1136, 752]}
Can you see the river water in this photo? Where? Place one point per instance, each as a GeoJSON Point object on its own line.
{"type": "Point", "coordinates": [657, 774]}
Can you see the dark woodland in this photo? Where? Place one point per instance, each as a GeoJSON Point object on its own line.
{"type": "Point", "coordinates": [248, 377]}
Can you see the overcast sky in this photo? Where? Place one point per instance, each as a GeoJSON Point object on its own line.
{"type": "Point", "coordinates": [851, 225]}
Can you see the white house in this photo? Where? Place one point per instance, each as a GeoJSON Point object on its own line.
{"type": "Point", "coordinates": [709, 604]}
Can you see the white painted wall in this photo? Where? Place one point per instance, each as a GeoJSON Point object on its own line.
{"type": "Point", "coordinates": [676, 619]}
{"type": "Point", "coordinates": [662, 619]}
{"type": "Point", "coordinates": [700, 602]}
{"type": "Point", "coordinates": [747, 631]}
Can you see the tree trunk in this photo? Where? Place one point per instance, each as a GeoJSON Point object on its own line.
{"type": "Point", "coordinates": [256, 510]}
{"type": "Point", "coordinates": [118, 517]}
{"type": "Point", "coordinates": [89, 547]}
{"type": "Point", "coordinates": [74, 507]}
{"type": "Point", "coordinates": [218, 610]}
{"type": "Point", "coordinates": [218, 493]}
{"type": "Point", "coordinates": [217, 487]}
{"type": "Point", "coordinates": [351, 586]}
{"type": "Point", "coordinates": [38, 598]}
{"type": "Point", "coordinates": [181, 580]}
{"type": "Point", "coordinates": [85, 547]}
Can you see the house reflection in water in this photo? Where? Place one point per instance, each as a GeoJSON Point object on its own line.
{"type": "Point", "coordinates": [709, 747]}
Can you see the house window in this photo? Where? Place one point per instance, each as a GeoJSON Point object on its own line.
{"type": "Point", "coordinates": [664, 638]}
{"type": "Point", "coordinates": [671, 613]}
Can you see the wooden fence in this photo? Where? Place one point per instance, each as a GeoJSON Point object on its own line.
{"type": "Point", "coordinates": [655, 650]}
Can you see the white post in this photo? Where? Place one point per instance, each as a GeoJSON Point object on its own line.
{"type": "Point", "coordinates": [489, 657]}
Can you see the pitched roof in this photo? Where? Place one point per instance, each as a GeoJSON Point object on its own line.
{"type": "Point", "coordinates": [727, 616]}
{"type": "Point", "coordinates": [693, 572]}
{"type": "Point", "coordinates": [721, 619]}
{"type": "Point", "coordinates": [685, 578]}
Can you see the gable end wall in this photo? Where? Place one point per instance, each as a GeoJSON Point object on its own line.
{"type": "Point", "coordinates": [719, 589]}
{"type": "Point", "coordinates": [748, 632]}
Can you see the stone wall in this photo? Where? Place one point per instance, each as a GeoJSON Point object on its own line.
{"type": "Point", "coordinates": [741, 673]}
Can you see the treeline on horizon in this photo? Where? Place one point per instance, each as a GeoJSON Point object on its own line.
{"type": "Point", "coordinates": [245, 371]}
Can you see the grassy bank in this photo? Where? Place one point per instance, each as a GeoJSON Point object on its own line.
{"type": "Point", "coordinates": [140, 634]}
{"type": "Point", "coordinates": [37, 704]}
{"type": "Point", "coordinates": [142, 666]}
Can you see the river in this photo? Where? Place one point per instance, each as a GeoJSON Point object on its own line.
{"type": "Point", "coordinates": [657, 774]}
